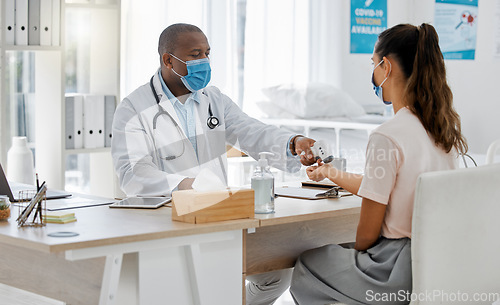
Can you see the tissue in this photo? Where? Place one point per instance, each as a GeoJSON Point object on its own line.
{"type": "Point", "coordinates": [207, 180]}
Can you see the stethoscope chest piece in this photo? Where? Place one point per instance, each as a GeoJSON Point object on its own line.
{"type": "Point", "coordinates": [212, 122]}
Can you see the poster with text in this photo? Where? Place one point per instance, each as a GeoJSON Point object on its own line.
{"type": "Point", "coordinates": [456, 24]}
{"type": "Point", "coordinates": [368, 19]}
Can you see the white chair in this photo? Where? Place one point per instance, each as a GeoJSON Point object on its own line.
{"type": "Point", "coordinates": [492, 149]}
{"type": "Point", "coordinates": [456, 235]}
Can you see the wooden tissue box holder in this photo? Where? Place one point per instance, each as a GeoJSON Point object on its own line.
{"type": "Point", "coordinates": [229, 204]}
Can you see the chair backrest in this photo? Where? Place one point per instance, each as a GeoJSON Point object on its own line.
{"type": "Point", "coordinates": [492, 149]}
{"type": "Point", "coordinates": [456, 234]}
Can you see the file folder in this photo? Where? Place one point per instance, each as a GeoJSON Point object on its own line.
{"type": "Point", "coordinates": [74, 121]}
{"type": "Point", "coordinates": [21, 34]}
{"type": "Point", "coordinates": [69, 122]}
{"type": "Point", "coordinates": [45, 22]}
{"type": "Point", "coordinates": [109, 111]}
{"type": "Point", "coordinates": [9, 15]}
{"type": "Point", "coordinates": [34, 22]}
{"type": "Point", "coordinates": [56, 22]}
{"type": "Point", "coordinates": [78, 123]}
{"type": "Point", "coordinates": [93, 121]}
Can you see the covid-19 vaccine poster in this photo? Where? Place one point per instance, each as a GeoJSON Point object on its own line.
{"type": "Point", "coordinates": [368, 19]}
{"type": "Point", "coordinates": [456, 24]}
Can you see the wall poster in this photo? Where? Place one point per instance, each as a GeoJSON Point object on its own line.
{"type": "Point", "coordinates": [456, 24]}
{"type": "Point", "coordinates": [368, 19]}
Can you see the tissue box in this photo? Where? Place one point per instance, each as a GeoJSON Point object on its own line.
{"type": "Point", "coordinates": [202, 207]}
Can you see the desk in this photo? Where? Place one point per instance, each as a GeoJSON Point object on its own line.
{"type": "Point", "coordinates": [142, 257]}
{"type": "Point", "coordinates": [191, 264]}
{"type": "Point", "coordinates": [299, 225]}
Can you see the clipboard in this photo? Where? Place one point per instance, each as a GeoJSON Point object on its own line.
{"type": "Point", "coordinates": [326, 184]}
{"type": "Point", "coordinates": [310, 193]}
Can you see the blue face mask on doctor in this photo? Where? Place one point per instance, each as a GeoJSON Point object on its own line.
{"type": "Point", "coordinates": [378, 89]}
{"type": "Point", "coordinates": [199, 73]}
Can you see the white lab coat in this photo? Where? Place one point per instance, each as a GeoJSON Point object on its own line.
{"type": "Point", "coordinates": [138, 165]}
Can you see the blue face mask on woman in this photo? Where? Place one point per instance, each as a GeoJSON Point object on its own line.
{"type": "Point", "coordinates": [378, 89]}
{"type": "Point", "coordinates": [199, 73]}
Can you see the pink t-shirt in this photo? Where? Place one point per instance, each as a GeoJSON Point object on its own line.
{"type": "Point", "coordinates": [398, 152]}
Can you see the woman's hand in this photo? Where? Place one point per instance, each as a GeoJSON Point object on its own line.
{"type": "Point", "coordinates": [320, 172]}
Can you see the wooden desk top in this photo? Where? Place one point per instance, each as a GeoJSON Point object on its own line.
{"type": "Point", "coordinates": [289, 210]}
{"type": "Point", "coordinates": [101, 225]}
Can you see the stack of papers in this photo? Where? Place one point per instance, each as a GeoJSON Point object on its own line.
{"type": "Point", "coordinates": [59, 217]}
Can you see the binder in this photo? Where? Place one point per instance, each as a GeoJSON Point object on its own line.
{"type": "Point", "coordinates": [109, 111]}
{"type": "Point", "coordinates": [21, 32]}
{"type": "Point", "coordinates": [9, 15]}
{"type": "Point", "coordinates": [73, 121]}
{"type": "Point", "coordinates": [34, 22]}
{"type": "Point", "coordinates": [56, 22]}
{"type": "Point", "coordinates": [78, 121]}
{"type": "Point", "coordinates": [93, 121]}
{"type": "Point", "coordinates": [45, 22]}
{"type": "Point", "coordinates": [69, 122]}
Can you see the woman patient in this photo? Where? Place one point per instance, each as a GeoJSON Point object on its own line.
{"type": "Point", "coordinates": [423, 136]}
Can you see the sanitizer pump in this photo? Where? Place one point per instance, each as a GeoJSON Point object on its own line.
{"type": "Point", "coordinates": [263, 186]}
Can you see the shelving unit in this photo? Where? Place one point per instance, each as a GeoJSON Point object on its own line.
{"type": "Point", "coordinates": [100, 33]}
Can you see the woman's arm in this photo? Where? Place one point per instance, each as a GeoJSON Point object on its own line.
{"type": "Point", "coordinates": [347, 181]}
{"type": "Point", "coordinates": [370, 224]}
{"type": "Point", "coordinates": [372, 212]}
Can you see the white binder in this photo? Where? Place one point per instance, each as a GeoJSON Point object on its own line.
{"type": "Point", "coordinates": [78, 123]}
{"type": "Point", "coordinates": [74, 121]}
{"type": "Point", "coordinates": [45, 22]}
{"type": "Point", "coordinates": [21, 22]}
{"type": "Point", "coordinates": [69, 122]}
{"type": "Point", "coordinates": [109, 112]}
{"type": "Point", "coordinates": [9, 15]}
{"type": "Point", "coordinates": [93, 121]}
{"type": "Point", "coordinates": [56, 22]}
{"type": "Point", "coordinates": [34, 22]}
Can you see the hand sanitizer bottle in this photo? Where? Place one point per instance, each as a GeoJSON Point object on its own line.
{"type": "Point", "coordinates": [263, 186]}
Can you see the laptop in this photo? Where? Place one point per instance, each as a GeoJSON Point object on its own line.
{"type": "Point", "coordinates": [13, 191]}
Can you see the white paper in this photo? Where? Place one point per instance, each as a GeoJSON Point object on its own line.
{"type": "Point", "coordinates": [207, 181]}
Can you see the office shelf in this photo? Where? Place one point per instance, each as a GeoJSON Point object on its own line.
{"type": "Point", "coordinates": [87, 150]}
{"type": "Point", "coordinates": [11, 48]}
{"type": "Point", "coordinates": [101, 52]}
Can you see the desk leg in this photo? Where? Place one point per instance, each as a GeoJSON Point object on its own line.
{"type": "Point", "coordinates": [196, 269]}
{"type": "Point", "coordinates": [110, 279]}
{"type": "Point", "coordinates": [193, 257]}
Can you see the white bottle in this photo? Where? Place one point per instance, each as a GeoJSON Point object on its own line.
{"type": "Point", "coordinates": [20, 162]}
{"type": "Point", "coordinates": [263, 186]}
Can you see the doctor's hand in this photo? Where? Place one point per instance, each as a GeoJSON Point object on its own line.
{"type": "Point", "coordinates": [320, 172]}
{"type": "Point", "coordinates": [302, 147]}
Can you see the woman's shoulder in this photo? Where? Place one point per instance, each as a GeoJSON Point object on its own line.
{"type": "Point", "coordinates": [403, 124]}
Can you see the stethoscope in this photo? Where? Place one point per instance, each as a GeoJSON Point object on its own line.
{"type": "Point", "coordinates": [212, 122]}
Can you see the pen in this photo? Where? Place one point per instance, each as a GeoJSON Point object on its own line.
{"type": "Point", "coordinates": [37, 183]}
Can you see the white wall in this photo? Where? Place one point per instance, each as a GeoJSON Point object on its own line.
{"type": "Point", "coordinates": [474, 83]}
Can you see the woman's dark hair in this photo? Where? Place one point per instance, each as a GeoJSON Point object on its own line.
{"type": "Point", "coordinates": [427, 93]}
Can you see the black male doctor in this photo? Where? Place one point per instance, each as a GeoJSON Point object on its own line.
{"type": "Point", "coordinates": [168, 130]}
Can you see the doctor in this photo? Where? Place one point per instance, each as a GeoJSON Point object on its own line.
{"type": "Point", "coordinates": [168, 130]}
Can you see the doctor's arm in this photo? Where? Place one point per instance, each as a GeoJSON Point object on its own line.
{"type": "Point", "coordinates": [253, 137]}
{"type": "Point", "coordinates": [133, 157]}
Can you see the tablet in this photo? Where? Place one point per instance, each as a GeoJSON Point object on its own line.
{"type": "Point", "coordinates": [141, 202]}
